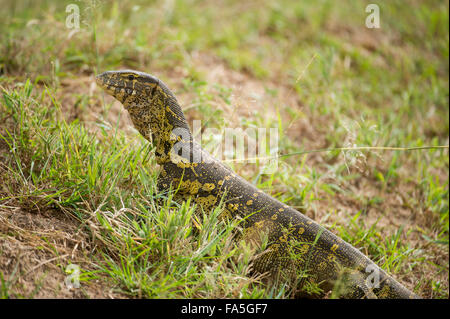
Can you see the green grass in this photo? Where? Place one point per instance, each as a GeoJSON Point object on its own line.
{"type": "Point", "coordinates": [151, 246]}
{"type": "Point", "coordinates": [328, 82]}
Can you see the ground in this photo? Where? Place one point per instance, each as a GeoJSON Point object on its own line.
{"type": "Point", "coordinates": [78, 181]}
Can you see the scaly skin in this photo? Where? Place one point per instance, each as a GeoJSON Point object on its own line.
{"type": "Point", "coordinates": [295, 242]}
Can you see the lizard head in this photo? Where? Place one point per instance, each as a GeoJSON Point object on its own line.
{"type": "Point", "coordinates": [128, 85]}
{"type": "Point", "coordinates": [153, 108]}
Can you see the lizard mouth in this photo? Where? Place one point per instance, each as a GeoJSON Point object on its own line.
{"type": "Point", "coordinates": [109, 88]}
{"type": "Point", "coordinates": [99, 79]}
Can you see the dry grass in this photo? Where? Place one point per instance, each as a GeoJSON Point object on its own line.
{"type": "Point", "coordinates": [332, 84]}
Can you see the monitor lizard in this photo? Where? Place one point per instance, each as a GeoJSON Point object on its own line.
{"type": "Point", "coordinates": [294, 241]}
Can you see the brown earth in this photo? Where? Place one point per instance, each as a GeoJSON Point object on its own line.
{"type": "Point", "coordinates": [36, 246]}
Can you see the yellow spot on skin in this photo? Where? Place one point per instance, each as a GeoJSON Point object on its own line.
{"type": "Point", "coordinates": [264, 225]}
{"type": "Point", "coordinates": [208, 187]}
{"type": "Point", "coordinates": [184, 184]}
{"type": "Point", "coordinates": [228, 177]}
{"type": "Point", "coordinates": [195, 186]}
{"type": "Point", "coordinates": [331, 257]}
{"type": "Point", "coordinates": [309, 223]}
{"type": "Point", "coordinates": [226, 214]}
{"type": "Point", "coordinates": [281, 209]}
{"type": "Point", "coordinates": [233, 207]}
{"type": "Point", "coordinates": [255, 194]}
{"type": "Point", "coordinates": [249, 202]}
{"type": "Point", "coordinates": [334, 247]}
{"type": "Point", "coordinates": [220, 182]}
{"type": "Point", "coordinates": [259, 224]}
{"type": "Point", "coordinates": [183, 165]}
{"type": "Point", "coordinates": [206, 202]}
{"type": "Point", "coordinates": [274, 217]}
{"type": "Point", "coordinates": [301, 230]}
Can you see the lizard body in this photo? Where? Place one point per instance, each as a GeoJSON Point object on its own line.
{"type": "Point", "coordinates": [295, 242]}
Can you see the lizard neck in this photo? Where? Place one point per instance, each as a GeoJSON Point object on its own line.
{"type": "Point", "coordinates": [161, 121]}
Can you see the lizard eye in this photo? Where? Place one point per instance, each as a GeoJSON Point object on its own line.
{"type": "Point", "coordinates": [130, 77]}
{"type": "Point", "coordinates": [153, 91]}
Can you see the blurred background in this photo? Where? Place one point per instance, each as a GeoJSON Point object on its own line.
{"type": "Point", "coordinates": [313, 69]}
